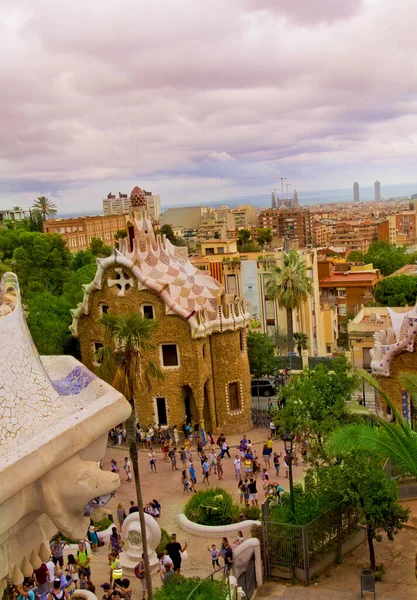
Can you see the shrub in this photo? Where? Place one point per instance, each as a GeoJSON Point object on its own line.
{"type": "Point", "coordinates": [252, 513]}
{"type": "Point", "coordinates": [165, 538]}
{"type": "Point", "coordinates": [212, 507]}
{"type": "Point", "coordinates": [103, 524]}
{"type": "Point", "coordinates": [179, 588]}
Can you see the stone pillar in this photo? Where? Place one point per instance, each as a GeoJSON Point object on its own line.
{"type": "Point", "coordinates": [212, 404]}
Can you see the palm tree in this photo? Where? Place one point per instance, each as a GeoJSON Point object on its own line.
{"type": "Point", "coordinates": [289, 285]}
{"type": "Point", "coordinates": [127, 338]}
{"type": "Point", "coordinates": [301, 341]}
{"type": "Point", "coordinates": [394, 440]}
{"type": "Point", "coordinates": [45, 207]}
{"type": "Point", "coordinates": [16, 208]}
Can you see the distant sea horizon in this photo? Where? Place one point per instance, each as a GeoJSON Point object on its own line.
{"type": "Point", "coordinates": [305, 198]}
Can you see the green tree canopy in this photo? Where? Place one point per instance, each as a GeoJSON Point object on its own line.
{"type": "Point", "coordinates": [314, 402]}
{"type": "Point", "coordinates": [244, 235]}
{"type": "Point", "coordinates": [249, 247]}
{"type": "Point", "coordinates": [98, 247]}
{"type": "Point", "coordinates": [41, 261]}
{"type": "Point", "coordinates": [264, 235]}
{"type": "Point", "coordinates": [81, 258]}
{"type": "Point", "coordinates": [170, 235]}
{"type": "Point", "coordinates": [356, 256]}
{"type": "Point", "coordinates": [262, 360]}
{"type": "Point", "coordinates": [387, 258]}
{"type": "Point", "coordinates": [400, 290]}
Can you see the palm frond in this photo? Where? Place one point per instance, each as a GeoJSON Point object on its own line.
{"type": "Point", "coordinates": [409, 382]}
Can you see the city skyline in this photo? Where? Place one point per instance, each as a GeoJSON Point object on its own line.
{"type": "Point", "coordinates": [203, 111]}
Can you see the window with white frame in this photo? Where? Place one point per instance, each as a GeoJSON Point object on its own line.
{"type": "Point", "coordinates": [169, 355]}
{"type": "Point", "coordinates": [148, 311]}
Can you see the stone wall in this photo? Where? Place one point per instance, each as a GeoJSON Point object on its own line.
{"type": "Point", "coordinates": [206, 365]}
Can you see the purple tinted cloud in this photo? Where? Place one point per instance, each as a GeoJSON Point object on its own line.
{"type": "Point", "coordinates": [197, 100]}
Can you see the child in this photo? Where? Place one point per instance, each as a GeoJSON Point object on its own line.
{"type": "Point", "coordinates": [83, 580]}
{"type": "Point", "coordinates": [214, 555]}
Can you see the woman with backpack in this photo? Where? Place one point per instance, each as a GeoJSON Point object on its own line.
{"type": "Point", "coordinates": [140, 573]}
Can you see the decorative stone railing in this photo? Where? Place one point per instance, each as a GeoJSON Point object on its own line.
{"type": "Point", "coordinates": [54, 419]}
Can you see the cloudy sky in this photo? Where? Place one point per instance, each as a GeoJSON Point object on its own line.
{"type": "Point", "coordinates": [202, 100]}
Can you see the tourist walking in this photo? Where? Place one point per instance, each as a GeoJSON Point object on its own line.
{"type": "Point", "coordinates": [225, 449]}
{"type": "Point", "coordinates": [116, 571]}
{"type": "Point", "coordinates": [227, 555]}
{"type": "Point", "coordinates": [214, 556]}
{"type": "Point", "coordinates": [253, 492]}
{"type": "Point", "coordinates": [121, 515]}
{"type": "Point", "coordinates": [266, 455]}
{"type": "Point", "coordinates": [56, 593]}
{"type": "Point", "coordinates": [183, 457]}
{"type": "Point", "coordinates": [128, 469]}
{"type": "Point", "coordinates": [93, 538]}
{"type": "Point", "coordinates": [165, 450]}
{"type": "Point", "coordinates": [173, 456]}
{"type": "Point", "coordinates": [164, 560]}
{"type": "Point", "coordinates": [175, 550]}
{"type": "Point", "coordinates": [83, 560]}
{"type": "Point", "coordinates": [176, 435]}
{"type": "Point", "coordinates": [246, 493]}
{"type": "Point", "coordinates": [219, 468]}
{"type": "Point", "coordinates": [152, 460]}
{"type": "Point", "coordinates": [237, 466]}
{"type": "Point", "coordinates": [205, 472]}
{"type": "Point", "coordinates": [72, 569]}
{"type": "Point", "coordinates": [115, 544]}
{"type": "Point", "coordinates": [140, 572]}
{"type": "Point", "coordinates": [191, 471]}
{"type": "Point", "coordinates": [276, 462]}
{"type": "Point", "coordinates": [57, 551]}
{"type": "Point", "coordinates": [133, 507]}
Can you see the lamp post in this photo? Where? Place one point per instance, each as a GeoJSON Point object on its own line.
{"type": "Point", "coordinates": [288, 439]}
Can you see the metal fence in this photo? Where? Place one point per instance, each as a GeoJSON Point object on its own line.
{"type": "Point", "coordinates": [297, 552]}
{"type": "Point", "coordinates": [261, 417]}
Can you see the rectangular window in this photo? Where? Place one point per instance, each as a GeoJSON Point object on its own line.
{"type": "Point", "coordinates": [209, 251]}
{"type": "Point", "coordinates": [169, 355]}
{"type": "Point", "coordinates": [220, 250]}
{"type": "Point", "coordinates": [104, 309]}
{"type": "Point", "coordinates": [328, 349]}
{"type": "Point", "coordinates": [148, 311]}
{"type": "Point", "coordinates": [161, 408]}
{"type": "Point", "coordinates": [97, 346]}
{"type": "Point", "coordinates": [234, 400]}
{"type": "Point", "coordinates": [341, 293]}
{"type": "Point", "coordinates": [231, 285]}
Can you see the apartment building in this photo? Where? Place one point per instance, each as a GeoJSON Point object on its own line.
{"type": "Point", "coordinates": [294, 224]}
{"type": "Point", "coordinates": [354, 235]}
{"type": "Point", "coordinates": [79, 231]}
{"type": "Point", "coordinates": [347, 289]}
{"type": "Point", "coordinates": [121, 205]}
{"type": "Point", "coordinates": [321, 235]}
{"type": "Point", "coordinates": [246, 275]}
{"type": "Point", "coordinates": [12, 215]}
{"type": "Point", "coordinates": [399, 229]}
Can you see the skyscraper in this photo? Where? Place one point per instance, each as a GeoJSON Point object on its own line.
{"type": "Point", "coordinates": [377, 191]}
{"type": "Point", "coordinates": [273, 200]}
{"type": "Point", "coordinates": [356, 192]}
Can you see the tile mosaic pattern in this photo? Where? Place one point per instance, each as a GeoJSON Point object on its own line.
{"type": "Point", "coordinates": [157, 265]}
{"type": "Point", "coordinates": [382, 354]}
{"type": "Point", "coordinates": [73, 383]}
{"type": "Point", "coordinates": [27, 397]}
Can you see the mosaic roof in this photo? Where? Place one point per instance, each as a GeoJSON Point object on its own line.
{"type": "Point", "coordinates": [158, 265]}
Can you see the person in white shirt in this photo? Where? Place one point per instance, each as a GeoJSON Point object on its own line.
{"type": "Point", "coordinates": [128, 468]}
{"type": "Point", "coordinates": [50, 565]}
{"type": "Point", "coordinates": [236, 463]}
{"type": "Point", "coordinates": [164, 559]}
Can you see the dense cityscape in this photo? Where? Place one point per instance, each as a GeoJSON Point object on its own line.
{"type": "Point", "coordinates": [208, 380]}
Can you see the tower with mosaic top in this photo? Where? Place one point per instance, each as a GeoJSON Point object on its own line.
{"type": "Point", "coordinates": [201, 339]}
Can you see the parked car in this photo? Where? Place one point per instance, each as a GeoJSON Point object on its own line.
{"type": "Point", "coordinates": [267, 387]}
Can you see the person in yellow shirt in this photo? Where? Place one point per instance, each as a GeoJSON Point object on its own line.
{"type": "Point", "coordinates": [116, 571]}
{"type": "Point", "coordinates": [270, 443]}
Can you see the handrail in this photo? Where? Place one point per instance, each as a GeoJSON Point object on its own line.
{"type": "Point", "coordinates": [210, 577]}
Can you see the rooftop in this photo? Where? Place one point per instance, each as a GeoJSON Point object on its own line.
{"type": "Point", "coordinates": [349, 278]}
